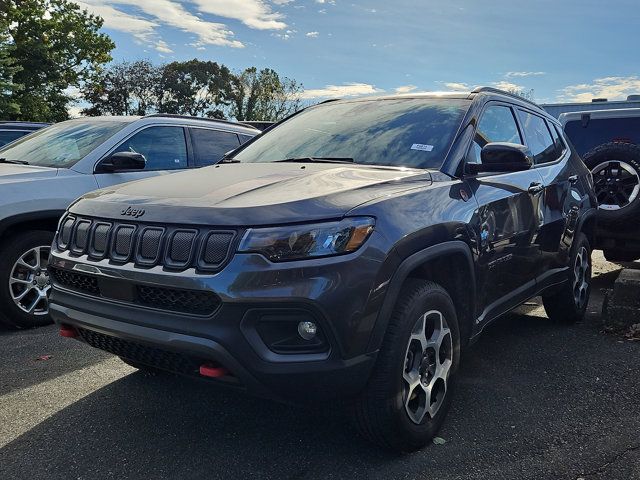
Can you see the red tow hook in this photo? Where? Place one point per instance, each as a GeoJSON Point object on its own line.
{"type": "Point", "coordinates": [212, 371]}
{"type": "Point", "coordinates": [68, 331]}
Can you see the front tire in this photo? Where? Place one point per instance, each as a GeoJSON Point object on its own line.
{"type": "Point", "coordinates": [568, 303]}
{"type": "Point", "coordinates": [410, 390]}
{"type": "Point", "coordinates": [24, 280]}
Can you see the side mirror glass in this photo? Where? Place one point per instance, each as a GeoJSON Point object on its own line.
{"type": "Point", "coordinates": [122, 162]}
{"type": "Point", "coordinates": [502, 157]}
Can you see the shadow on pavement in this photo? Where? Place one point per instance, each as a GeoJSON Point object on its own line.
{"type": "Point", "coordinates": [530, 391]}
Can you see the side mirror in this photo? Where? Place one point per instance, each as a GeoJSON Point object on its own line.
{"type": "Point", "coordinates": [122, 162]}
{"type": "Point", "coordinates": [502, 157]}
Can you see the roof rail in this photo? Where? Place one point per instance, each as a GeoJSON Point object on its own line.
{"type": "Point", "coordinates": [188, 117]}
{"type": "Point", "coordinates": [502, 92]}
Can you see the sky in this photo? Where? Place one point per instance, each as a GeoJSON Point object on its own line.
{"type": "Point", "coordinates": [563, 50]}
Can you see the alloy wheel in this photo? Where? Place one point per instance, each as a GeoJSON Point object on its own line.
{"type": "Point", "coordinates": [582, 276]}
{"type": "Point", "coordinates": [29, 282]}
{"type": "Point", "coordinates": [428, 362]}
{"type": "Point", "coordinates": [617, 184]}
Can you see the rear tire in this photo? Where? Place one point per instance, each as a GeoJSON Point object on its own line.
{"type": "Point", "coordinates": [24, 280]}
{"type": "Point", "coordinates": [410, 390]}
{"type": "Point", "coordinates": [616, 173]}
{"type": "Point", "coordinates": [568, 303]}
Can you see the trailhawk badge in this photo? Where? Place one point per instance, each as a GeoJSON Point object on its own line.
{"type": "Point", "coordinates": [132, 212]}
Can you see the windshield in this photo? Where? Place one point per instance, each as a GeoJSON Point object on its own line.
{"type": "Point", "coordinates": [405, 132]}
{"type": "Point", "coordinates": [61, 145]}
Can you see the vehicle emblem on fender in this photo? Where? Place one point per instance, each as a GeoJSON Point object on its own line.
{"type": "Point", "coordinates": [132, 212]}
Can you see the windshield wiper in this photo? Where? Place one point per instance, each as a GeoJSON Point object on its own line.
{"type": "Point", "coordinates": [19, 162]}
{"type": "Point", "coordinates": [318, 160]}
{"type": "Point", "coordinates": [229, 160]}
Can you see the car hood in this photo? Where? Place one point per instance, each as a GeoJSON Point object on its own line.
{"type": "Point", "coordinates": [252, 194]}
{"type": "Point", "coordinates": [10, 172]}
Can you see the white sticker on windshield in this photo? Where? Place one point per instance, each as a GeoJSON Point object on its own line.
{"type": "Point", "coordinates": [422, 146]}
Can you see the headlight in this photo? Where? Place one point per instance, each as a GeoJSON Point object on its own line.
{"type": "Point", "coordinates": [295, 242]}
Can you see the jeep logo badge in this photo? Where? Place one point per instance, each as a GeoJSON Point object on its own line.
{"type": "Point", "coordinates": [132, 212]}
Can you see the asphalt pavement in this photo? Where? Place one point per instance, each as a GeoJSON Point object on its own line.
{"type": "Point", "coordinates": [535, 400]}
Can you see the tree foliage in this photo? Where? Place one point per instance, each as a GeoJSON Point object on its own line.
{"type": "Point", "coordinates": [8, 106]}
{"type": "Point", "coordinates": [194, 87]}
{"type": "Point", "coordinates": [127, 88]}
{"type": "Point", "coordinates": [53, 45]}
{"type": "Point", "coordinates": [263, 95]}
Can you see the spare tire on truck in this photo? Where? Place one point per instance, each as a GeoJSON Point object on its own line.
{"type": "Point", "coordinates": [616, 175]}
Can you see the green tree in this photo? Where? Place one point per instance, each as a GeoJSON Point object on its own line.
{"type": "Point", "coordinates": [126, 88]}
{"type": "Point", "coordinates": [194, 87]}
{"type": "Point", "coordinates": [55, 45]}
{"type": "Point", "coordinates": [263, 95]}
{"type": "Point", "coordinates": [9, 108]}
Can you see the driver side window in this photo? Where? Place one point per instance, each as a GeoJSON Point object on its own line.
{"type": "Point", "coordinates": [164, 148]}
{"type": "Point", "coordinates": [497, 124]}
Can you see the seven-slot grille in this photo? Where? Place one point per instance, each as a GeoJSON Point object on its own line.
{"type": "Point", "coordinates": [173, 247]}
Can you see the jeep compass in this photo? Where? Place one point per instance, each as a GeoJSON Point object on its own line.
{"type": "Point", "coordinates": [350, 253]}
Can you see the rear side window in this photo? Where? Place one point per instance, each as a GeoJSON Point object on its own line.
{"type": "Point", "coordinates": [557, 140]}
{"type": "Point", "coordinates": [591, 133]}
{"type": "Point", "coordinates": [245, 138]}
{"type": "Point", "coordinates": [538, 138]}
{"type": "Point", "coordinates": [210, 145]}
{"type": "Point", "coordinates": [7, 136]}
{"type": "Point", "coordinates": [497, 124]}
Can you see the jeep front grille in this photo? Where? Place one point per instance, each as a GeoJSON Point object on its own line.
{"type": "Point", "coordinates": [172, 247]}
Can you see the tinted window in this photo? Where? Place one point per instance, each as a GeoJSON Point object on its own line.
{"type": "Point", "coordinates": [538, 138]}
{"type": "Point", "coordinates": [496, 125]}
{"type": "Point", "coordinates": [598, 131]}
{"type": "Point", "coordinates": [63, 144]}
{"type": "Point", "coordinates": [557, 141]}
{"type": "Point", "coordinates": [398, 132]}
{"type": "Point", "coordinates": [211, 145]}
{"type": "Point", "coordinates": [245, 138]}
{"type": "Point", "coordinates": [7, 136]}
{"type": "Point", "coordinates": [163, 147]}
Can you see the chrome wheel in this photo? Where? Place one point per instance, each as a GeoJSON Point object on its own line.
{"type": "Point", "coordinates": [29, 282]}
{"type": "Point", "coordinates": [428, 362]}
{"type": "Point", "coordinates": [617, 184]}
{"type": "Point", "coordinates": [582, 276]}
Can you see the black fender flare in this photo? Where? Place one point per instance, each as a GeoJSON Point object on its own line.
{"type": "Point", "coordinates": [402, 273]}
{"type": "Point", "coordinates": [42, 215]}
{"type": "Point", "coordinates": [591, 213]}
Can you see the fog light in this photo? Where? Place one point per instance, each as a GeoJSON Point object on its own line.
{"type": "Point", "coordinates": [307, 330]}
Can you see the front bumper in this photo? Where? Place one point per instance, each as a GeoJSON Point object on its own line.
{"type": "Point", "coordinates": [333, 292]}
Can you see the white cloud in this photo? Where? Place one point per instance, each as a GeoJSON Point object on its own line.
{"type": "Point", "coordinates": [163, 47]}
{"type": "Point", "coordinates": [458, 86]}
{"type": "Point", "coordinates": [507, 86]}
{"type": "Point", "coordinates": [281, 2]}
{"type": "Point", "coordinates": [405, 89]}
{"type": "Point", "coordinates": [253, 13]}
{"type": "Point", "coordinates": [340, 91]}
{"type": "Point", "coordinates": [312, 34]}
{"type": "Point", "coordinates": [149, 15]}
{"type": "Point", "coordinates": [524, 74]}
{"type": "Point", "coordinates": [612, 88]}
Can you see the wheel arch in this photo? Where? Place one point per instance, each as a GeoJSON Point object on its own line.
{"type": "Point", "coordinates": [447, 264]}
{"type": "Point", "coordinates": [588, 224]}
{"type": "Point", "coordinates": [46, 220]}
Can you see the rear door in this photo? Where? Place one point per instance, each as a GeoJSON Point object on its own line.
{"type": "Point", "coordinates": [164, 147]}
{"type": "Point", "coordinates": [551, 158]}
{"type": "Point", "coordinates": [508, 218]}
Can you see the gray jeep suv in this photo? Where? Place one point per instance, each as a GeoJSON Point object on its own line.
{"type": "Point", "coordinates": [42, 173]}
{"type": "Point", "coordinates": [350, 252]}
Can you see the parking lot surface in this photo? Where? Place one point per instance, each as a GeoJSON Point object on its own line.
{"type": "Point", "coordinates": [535, 400]}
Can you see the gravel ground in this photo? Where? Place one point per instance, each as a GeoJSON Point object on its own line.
{"type": "Point", "coordinates": [535, 400]}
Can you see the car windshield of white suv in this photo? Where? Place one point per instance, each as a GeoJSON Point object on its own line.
{"type": "Point", "coordinates": [61, 145]}
{"type": "Point", "coordinates": [405, 132]}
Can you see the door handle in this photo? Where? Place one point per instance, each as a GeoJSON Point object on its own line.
{"type": "Point", "coordinates": [536, 188]}
{"type": "Point", "coordinates": [573, 178]}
